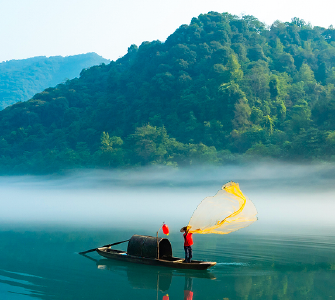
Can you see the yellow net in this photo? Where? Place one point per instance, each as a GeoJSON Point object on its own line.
{"type": "Point", "coordinates": [229, 210]}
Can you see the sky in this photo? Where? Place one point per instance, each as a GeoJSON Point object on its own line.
{"type": "Point", "coordinates": [31, 28]}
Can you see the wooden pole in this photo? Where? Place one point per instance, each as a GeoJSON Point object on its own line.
{"type": "Point", "coordinates": [91, 250]}
{"type": "Point", "coordinates": [157, 245]}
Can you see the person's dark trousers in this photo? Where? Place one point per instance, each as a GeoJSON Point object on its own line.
{"type": "Point", "coordinates": [188, 253]}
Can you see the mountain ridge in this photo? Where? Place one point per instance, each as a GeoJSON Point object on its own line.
{"type": "Point", "coordinates": [221, 89]}
{"type": "Point", "coordinates": [23, 78]}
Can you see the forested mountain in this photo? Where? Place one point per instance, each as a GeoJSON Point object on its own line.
{"type": "Point", "coordinates": [22, 79]}
{"type": "Point", "coordinates": [220, 89]}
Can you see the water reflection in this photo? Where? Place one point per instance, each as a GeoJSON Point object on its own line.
{"type": "Point", "coordinates": [188, 293]}
{"type": "Point", "coordinates": [152, 277]}
{"type": "Point", "coordinates": [144, 278]}
{"type": "Point", "coordinates": [44, 265]}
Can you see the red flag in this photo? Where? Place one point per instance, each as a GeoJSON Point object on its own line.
{"type": "Point", "coordinates": [165, 229]}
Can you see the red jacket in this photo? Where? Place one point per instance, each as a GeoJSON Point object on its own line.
{"type": "Point", "coordinates": [188, 240]}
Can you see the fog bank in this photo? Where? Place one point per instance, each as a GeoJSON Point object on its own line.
{"type": "Point", "coordinates": [287, 196]}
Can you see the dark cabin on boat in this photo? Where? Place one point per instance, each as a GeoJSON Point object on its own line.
{"type": "Point", "coordinates": [151, 250]}
{"type": "Point", "coordinates": [146, 246]}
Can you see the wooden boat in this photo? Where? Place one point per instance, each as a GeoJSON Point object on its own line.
{"type": "Point", "coordinates": [172, 262]}
{"type": "Point", "coordinates": [146, 249]}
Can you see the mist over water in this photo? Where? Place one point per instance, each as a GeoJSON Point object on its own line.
{"type": "Point", "coordinates": [288, 197]}
{"type": "Point", "coordinates": [287, 254]}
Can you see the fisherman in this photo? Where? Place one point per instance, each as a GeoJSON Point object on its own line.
{"type": "Point", "coordinates": [188, 242]}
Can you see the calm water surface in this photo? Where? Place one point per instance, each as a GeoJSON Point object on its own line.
{"type": "Point", "coordinates": [289, 253]}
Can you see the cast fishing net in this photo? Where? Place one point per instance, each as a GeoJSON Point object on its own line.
{"type": "Point", "coordinates": [227, 211]}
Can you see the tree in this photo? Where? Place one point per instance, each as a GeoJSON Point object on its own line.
{"type": "Point", "coordinates": [110, 152]}
{"type": "Point", "coordinates": [242, 114]}
{"type": "Point", "coordinates": [234, 69]}
{"type": "Point", "coordinates": [298, 22]}
{"type": "Point", "coordinates": [273, 85]}
{"type": "Point", "coordinates": [232, 105]}
{"type": "Point", "coordinates": [300, 116]}
{"type": "Point", "coordinates": [305, 74]}
{"type": "Point", "coordinates": [149, 144]}
{"type": "Point", "coordinates": [255, 53]}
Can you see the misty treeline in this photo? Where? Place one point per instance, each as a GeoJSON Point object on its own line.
{"type": "Point", "coordinates": [22, 79]}
{"type": "Point", "coordinates": [219, 90]}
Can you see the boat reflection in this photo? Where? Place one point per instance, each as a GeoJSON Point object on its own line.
{"type": "Point", "coordinates": [153, 278]}
{"type": "Point", "coordinates": [140, 276]}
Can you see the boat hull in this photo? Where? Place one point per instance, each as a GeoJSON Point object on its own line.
{"type": "Point", "coordinates": [171, 262]}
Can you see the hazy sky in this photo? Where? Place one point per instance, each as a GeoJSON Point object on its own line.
{"type": "Point", "coordinates": [108, 27]}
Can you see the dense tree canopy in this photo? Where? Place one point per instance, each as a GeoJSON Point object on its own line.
{"type": "Point", "coordinates": [217, 90]}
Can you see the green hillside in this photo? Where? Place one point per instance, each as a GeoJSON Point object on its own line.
{"type": "Point", "coordinates": [218, 90]}
{"type": "Point", "coordinates": [22, 79]}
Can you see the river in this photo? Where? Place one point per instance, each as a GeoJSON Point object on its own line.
{"type": "Point", "coordinates": [289, 253]}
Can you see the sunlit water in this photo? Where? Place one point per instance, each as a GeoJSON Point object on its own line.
{"type": "Point", "coordinates": [289, 253]}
